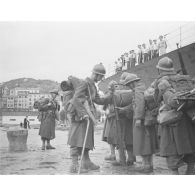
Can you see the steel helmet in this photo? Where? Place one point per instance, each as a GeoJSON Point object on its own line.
{"type": "Point", "coordinates": [55, 91]}
{"type": "Point", "coordinates": [165, 64]}
{"type": "Point", "coordinates": [99, 69]}
{"type": "Point", "coordinates": [130, 78]}
{"type": "Point", "coordinates": [65, 86]}
{"type": "Point", "coordinates": [123, 77]}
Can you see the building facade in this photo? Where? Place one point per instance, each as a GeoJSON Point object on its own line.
{"type": "Point", "coordinates": [15, 118]}
{"type": "Point", "coordinates": [20, 98]}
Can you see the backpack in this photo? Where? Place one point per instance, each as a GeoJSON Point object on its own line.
{"type": "Point", "coordinates": [40, 102]}
{"type": "Point", "coordinates": [180, 83]}
{"type": "Point", "coordinates": [123, 97]}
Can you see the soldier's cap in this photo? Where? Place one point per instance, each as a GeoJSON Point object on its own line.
{"type": "Point", "coordinates": [55, 91]}
{"type": "Point", "coordinates": [160, 36]}
{"type": "Point", "coordinates": [154, 40]}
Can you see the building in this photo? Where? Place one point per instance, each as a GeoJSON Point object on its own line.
{"type": "Point", "coordinates": [15, 118]}
{"type": "Point", "coordinates": [21, 98]}
{"type": "Point", "coordinates": [19, 90]}
{"type": "Point", "coordinates": [10, 101]}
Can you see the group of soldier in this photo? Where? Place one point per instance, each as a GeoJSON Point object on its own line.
{"type": "Point", "coordinates": [131, 128]}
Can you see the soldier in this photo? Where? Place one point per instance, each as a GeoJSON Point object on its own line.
{"type": "Point", "coordinates": [109, 132]}
{"type": "Point", "coordinates": [111, 129]}
{"type": "Point", "coordinates": [85, 92]}
{"type": "Point", "coordinates": [144, 141]}
{"type": "Point", "coordinates": [177, 141]}
{"type": "Point", "coordinates": [48, 113]}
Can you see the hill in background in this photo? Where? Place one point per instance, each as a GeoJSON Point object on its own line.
{"type": "Point", "coordinates": [44, 85]}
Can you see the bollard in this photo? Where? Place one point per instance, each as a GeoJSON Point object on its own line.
{"type": "Point", "coordinates": [17, 138]}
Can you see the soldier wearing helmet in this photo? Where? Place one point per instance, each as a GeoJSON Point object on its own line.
{"type": "Point", "coordinates": [48, 111]}
{"type": "Point", "coordinates": [123, 127]}
{"type": "Point", "coordinates": [177, 139]}
{"type": "Point", "coordinates": [85, 92]}
{"type": "Point", "coordinates": [143, 137]}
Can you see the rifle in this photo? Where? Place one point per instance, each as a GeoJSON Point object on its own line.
{"type": "Point", "coordinates": [119, 129]}
{"type": "Point", "coordinates": [185, 97]}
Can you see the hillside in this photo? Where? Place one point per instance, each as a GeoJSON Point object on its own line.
{"type": "Point", "coordinates": [44, 85]}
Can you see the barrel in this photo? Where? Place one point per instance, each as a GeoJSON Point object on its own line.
{"type": "Point", "coordinates": [17, 138]}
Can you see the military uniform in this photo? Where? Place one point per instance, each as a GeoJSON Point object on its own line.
{"type": "Point", "coordinates": [110, 132]}
{"type": "Point", "coordinates": [177, 141]}
{"type": "Point", "coordinates": [47, 127]}
{"type": "Point", "coordinates": [144, 137]}
{"type": "Point", "coordinates": [78, 127]}
{"type": "Point", "coordinates": [85, 92]}
{"type": "Point", "coordinates": [48, 114]}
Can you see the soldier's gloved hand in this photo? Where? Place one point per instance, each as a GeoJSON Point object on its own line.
{"type": "Point", "coordinates": [85, 117]}
{"type": "Point", "coordinates": [138, 123]}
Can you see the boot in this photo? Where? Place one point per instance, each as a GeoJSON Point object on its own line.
{"type": "Point", "coordinates": [87, 163]}
{"type": "Point", "coordinates": [74, 165]}
{"type": "Point", "coordinates": [147, 166]}
{"type": "Point", "coordinates": [130, 158]}
{"type": "Point", "coordinates": [110, 158]}
{"type": "Point", "coordinates": [190, 169]}
{"type": "Point", "coordinates": [118, 163]}
{"type": "Point", "coordinates": [50, 147]}
{"type": "Point", "coordinates": [43, 144]}
{"type": "Point", "coordinates": [43, 147]}
{"type": "Point", "coordinates": [174, 171]}
{"type": "Point", "coordinates": [122, 158]}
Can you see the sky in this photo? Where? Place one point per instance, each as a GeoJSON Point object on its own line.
{"type": "Point", "coordinates": [55, 50]}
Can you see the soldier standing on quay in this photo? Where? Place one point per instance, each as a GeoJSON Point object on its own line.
{"type": "Point", "coordinates": [177, 141]}
{"type": "Point", "coordinates": [48, 115]}
{"type": "Point", "coordinates": [111, 129]}
{"type": "Point", "coordinates": [86, 91]}
{"type": "Point", "coordinates": [144, 137]}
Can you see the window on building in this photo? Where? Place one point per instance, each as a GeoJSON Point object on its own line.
{"type": "Point", "coordinates": [32, 119]}
{"type": "Point", "coordinates": [12, 119]}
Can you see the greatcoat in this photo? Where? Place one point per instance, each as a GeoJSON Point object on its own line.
{"type": "Point", "coordinates": [144, 138]}
{"type": "Point", "coordinates": [177, 138]}
{"type": "Point", "coordinates": [86, 91]}
{"type": "Point", "coordinates": [48, 117]}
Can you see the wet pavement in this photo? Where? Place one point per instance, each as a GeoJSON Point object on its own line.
{"type": "Point", "coordinates": [34, 161]}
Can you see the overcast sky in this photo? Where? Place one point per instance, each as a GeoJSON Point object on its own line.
{"type": "Point", "coordinates": [55, 50]}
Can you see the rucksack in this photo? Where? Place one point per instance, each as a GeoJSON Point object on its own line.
{"type": "Point", "coordinates": [40, 102]}
{"type": "Point", "coordinates": [123, 97]}
{"type": "Point", "coordinates": [180, 83]}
